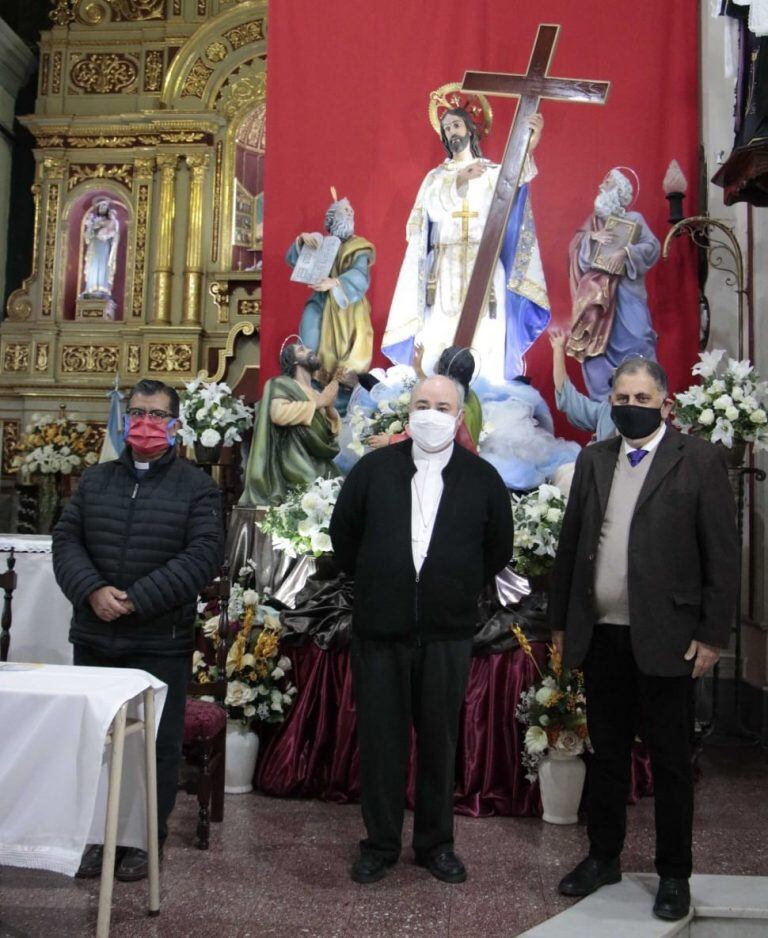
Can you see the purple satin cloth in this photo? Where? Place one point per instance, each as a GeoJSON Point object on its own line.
{"type": "Point", "coordinates": [314, 754]}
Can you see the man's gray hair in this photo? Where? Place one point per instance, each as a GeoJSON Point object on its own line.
{"type": "Point", "coordinates": [632, 365]}
{"type": "Point", "coordinates": [457, 384]}
{"type": "Point", "coordinates": [623, 187]}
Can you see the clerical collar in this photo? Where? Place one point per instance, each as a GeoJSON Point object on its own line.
{"type": "Point", "coordinates": [140, 465]}
{"type": "Point", "coordinates": [442, 456]}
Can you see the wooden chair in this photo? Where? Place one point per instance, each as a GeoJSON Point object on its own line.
{"type": "Point", "coordinates": [205, 726]}
{"type": "Point", "coordinates": [8, 584]}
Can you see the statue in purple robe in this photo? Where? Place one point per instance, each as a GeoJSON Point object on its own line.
{"type": "Point", "coordinates": [609, 258]}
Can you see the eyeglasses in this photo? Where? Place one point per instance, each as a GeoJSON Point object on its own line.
{"type": "Point", "coordinates": [138, 412]}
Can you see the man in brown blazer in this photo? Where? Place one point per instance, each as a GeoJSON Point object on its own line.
{"type": "Point", "coordinates": [643, 596]}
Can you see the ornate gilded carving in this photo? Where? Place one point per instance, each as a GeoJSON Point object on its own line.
{"type": "Point", "coordinates": [10, 439]}
{"type": "Point", "coordinates": [49, 257]}
{"type": "Point", "coordinates": [216, 202]}
{"type": "Point", "coordinates": [56, 73]}
{"type": "Point", "coordinates": [216, 52]}
{"type": "Point", "coordinates": [242, 90]}
{"type": "Point", "coordinates": [86, 359]}
{"type": "Point", "coordinates": [91, 12]}
{"type": "Point", "coordinates": [170, 356]}
{"type": "Point", "coordinates": [41, 357]}
{"type": "Point", "coordinates": [140, 257]}
{"type": "Point", "coordinates": [246, 327]}
{"type": "Point", "coordinates": [133, 359]}
{"type": "Point", "coordinates": [16, 357]}
{"type": "Point", "coordinates": [119, 141]}
{"type": "Point", "coordinates": [202, 7]}
{"type": "Point", "coordinates": [245, 33]}
{"type": "Point", "coordinates": [166, 210]}
{"type": "Point", "coordinates": [194, 86]}
{"type": "Point", "coordinates": [219, 291]}
{"type": "Point", "coordinates": [54, 168]}
{"type": "Point", "coordinates": [153, 70]}
{"type": "Point", "coordinates": [19, 306]}
{"type": "Point", "coordinates": [104, 73]}
{"type": "Point", "coordinates": [143, 167]}
{"type": "Point", "coordinates": [120, 172]}
{"type": "Point", "coordinates": [137, 9]}
{"type": "Point", "coordinates": [45, 65]}
{"type": "Point", "coordinates": [248, 307]}
{"type": "Point", "coordinates": [177, 7]}
{"type": "Point", "coordinates": [63, 12]}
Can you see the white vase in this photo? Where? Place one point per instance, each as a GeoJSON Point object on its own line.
{"type": "Point", "coordinates": [561, 781]}
{"type": "Point", "coordinates": [240, 763]}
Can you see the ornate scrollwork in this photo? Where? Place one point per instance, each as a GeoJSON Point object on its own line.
{"type": "Point", "coordinates": [249, 307]}
{"type": "Point", "coordinates": [91, 12]}
{"type": "Point", "coordinates": [246, 33]}
{"type": "Point", "coordinates": [170, 356]}
{"type": "Point", "coordinates": [56, 73]}
{"type": "Point", "coordinates": [41, 357]}
{"type": "Point", "coordinates": [54, 168]}
{"type": "Point", "coordinates": [49, 257]}
{"type": "Point", "coordinates": [10, 439]}
{"type": "Point", "coordinates": [242, 90]}
{"type": "Point", "coordinates": [120, 172]}
{"type": "Point", "coordinates": [140, 257]}
{"type": "Point", "coordinates": [216, 52]}
{"type": "Point", "coordinates": [133, 359]}
{"type": "Point", "coordinates": [85, 359]}
{"type": "Point", "coordinates": [194, 86]}
{"type": "Point", "coordinates": [153, 70]}
{"type": "Point", "coordinates": [63, 12]}
{"type": "Point", "coordinates": [45, 68]}
{"type": "Point", "coordinates": [16, 357]}
{"type": "Point", "coordinates": [104, 73]}
{"type": "Point", "coordinates": [216, 200]}
{"type": "Point", "coordinates": [137, 9]}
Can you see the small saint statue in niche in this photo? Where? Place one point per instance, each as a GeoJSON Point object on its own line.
{"type": "Point", "coordinates": [101, 236]}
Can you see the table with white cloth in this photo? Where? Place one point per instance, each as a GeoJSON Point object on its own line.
{"type": "Point", "coordinates": [53, 771]}
{"type": "Point", "coordinates": [41, 612]}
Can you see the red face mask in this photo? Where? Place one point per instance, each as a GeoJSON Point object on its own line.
{"type": "Point", "coordinates": [147, 438]}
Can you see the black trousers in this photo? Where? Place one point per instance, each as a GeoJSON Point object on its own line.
{"type": "Point", "coordinates": [398, 685]}
{"type": "Point", "coordinates": [621, 701]}
{"type": "Point", "coordinates": [175, 672]}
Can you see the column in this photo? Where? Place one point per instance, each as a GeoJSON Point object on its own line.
{"type": "Point", "coordinates": [166, 211]}
{"type": "Point", "coordinates": [193, 269]}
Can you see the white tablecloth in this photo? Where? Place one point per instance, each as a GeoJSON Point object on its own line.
{"type": "Point", "coordinates": [41, 612]}
{"type": "Point", "coordinates": [53, 769]}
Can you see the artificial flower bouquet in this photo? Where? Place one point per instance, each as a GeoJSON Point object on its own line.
{"type": "Point", "coordinates": [538, 517]}
{"type": "Point", "coordinates": [56, 444]}
{"type": "Point", "coordinates": [553, 710]}
{"type": "Point", "coordinates": [258, 687]}
{"type": "Point", "coordinates": [211, 414]}
{"type": "Point", "coordinates": [389, 416]}
{"type": "Point", "coordinates": [728, 406]}
{"type": "Point", "coordinates": [299, 524]}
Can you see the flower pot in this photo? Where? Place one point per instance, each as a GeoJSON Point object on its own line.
{"type": "Point", "coordinates": [207, 455]}
{"type": "Point", "coordinates": [242, 750]}
{"type": "Point", "coordinates": [561, 781]}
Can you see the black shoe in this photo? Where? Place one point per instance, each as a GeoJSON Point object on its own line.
{"type": "Point", "coordinates": [90, 865]}
{"type": "Point", "coordinates": [445, 866]}
{"type": "Point", "coordinates": [370, 868]}
{"type": "Point", "coordinates": [590, 875]}
{"type": "Point", "coordinates": [134, 864]}
{"type": "Point", "coordinates": [673, 900]}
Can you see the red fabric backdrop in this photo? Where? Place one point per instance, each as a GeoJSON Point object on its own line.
{"type": "Point", "coordinates": [347, 106]}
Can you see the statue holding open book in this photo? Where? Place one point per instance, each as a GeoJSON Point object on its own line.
{"type": "Point", "coordinates": [336, 321]}
{"type": "Point", "coordinates": [609, 258]}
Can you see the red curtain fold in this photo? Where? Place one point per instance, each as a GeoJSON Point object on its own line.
{"type": "Point", "coordinates": [347, 106]}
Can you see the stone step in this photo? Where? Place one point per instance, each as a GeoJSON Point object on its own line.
{"type": "Point", "coordinates": [722, 906]}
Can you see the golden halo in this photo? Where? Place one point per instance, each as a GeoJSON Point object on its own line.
{"type": "Point", "coordinates": [449, 96]}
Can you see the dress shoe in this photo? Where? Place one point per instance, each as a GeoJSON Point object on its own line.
{"type": "Point", "coordinates": [370, 868]}
{"type": "Point", "coordinates": [673, 900]}
{"type": "Point", "coordinates": [445, 866]}
{"type": "Point", "coordinates": [134, 864]}
{"type": "Point", "coordinates": [590, 875]}
{"type": "Point", "coordinates": [90, 865]}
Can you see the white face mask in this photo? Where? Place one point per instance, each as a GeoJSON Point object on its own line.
{"type": "Point", "coordinates": [432, 430]}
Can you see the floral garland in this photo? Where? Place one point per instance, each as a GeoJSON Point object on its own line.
{"type": "Point", "coordinates": [211, 414]}
{"type": "Point", "coordinates": [56, 444]}
{"type": "Point", "coordinates": [538, 518]}
{"type": "Point", "coordinates": [728, 406]}
{"type": "Point", "coordinates": [554, 710]}
{"type": "Point", "coordinates": [299, 524]}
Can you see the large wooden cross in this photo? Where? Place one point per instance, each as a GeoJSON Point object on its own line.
{"type": "Point", "coordinates": [530, 88]}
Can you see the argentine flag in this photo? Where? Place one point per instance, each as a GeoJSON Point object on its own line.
{"type": "Point", "coordinates": [113, 439]}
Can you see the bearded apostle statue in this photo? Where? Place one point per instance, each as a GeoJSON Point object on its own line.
{"type": "Point", "coordinates": [101, 236]}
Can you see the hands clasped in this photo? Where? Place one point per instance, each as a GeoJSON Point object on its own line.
{"type": "Point", "coordinates": [110, 603]}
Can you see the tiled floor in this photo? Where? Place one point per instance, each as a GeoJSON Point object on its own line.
{"type": "Point", "coordinates": [279, 868]}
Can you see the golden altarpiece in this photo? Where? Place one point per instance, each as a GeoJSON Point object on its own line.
{"type": "Point", "coordinates": [153, 110]}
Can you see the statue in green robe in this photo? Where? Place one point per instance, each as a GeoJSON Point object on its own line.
{"type": "Point", "coordinates": [294, 431]}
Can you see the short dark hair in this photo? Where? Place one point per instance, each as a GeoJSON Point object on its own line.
{"type": "Point", "coordinates": [474, 137]}
{"type": "Point", "coordinates": [457, 363]}
{"type": "Point", "coordinates": [148, 387]}
{"type": "Point", "coordinates": [288, 360]}
{"type": "Point", "coordinates": [631, 366]}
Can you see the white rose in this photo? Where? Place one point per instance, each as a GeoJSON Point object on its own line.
{"type": "Point", "coordinates": [545, 696]}
{"type": "Point", "coordinates": [396, 427]}
{"type": "Point", "coordinates": [321, 542]}
{"type": "Point", "coordinates": [758, 416]}
{"type": "Point", "coordinates": [201, 414]}
{"type": "Point", "coordinates": [707, 417]}
{"type": "Point", "coordinates": [554, 515]}
{"type": "Point", "coordinates": [723, 402]}
{"type": "Point", "coordinates": [737, 393]}
{"type": "Point", "coordinates": [568, 741]}
{"type": "Point", "coordinates": [284, 663]}
{"type": "Point", "coordinates": [536, 739]}
{"type": "Point", "coordinates": [277, 673]}
{"type": "Point", "coordinates": [732, 413]}
{"type": "Point", "coordinates": [250, 597]}
{"type": "Point", "coordinates": [249, 711]}
{"type": "Point", "coordinates": [210, 437]}
{"type": "Point", "coordinates": [239, 694]}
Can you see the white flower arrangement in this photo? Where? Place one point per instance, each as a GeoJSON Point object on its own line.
{"type": "Point", "coordinates": [299, 524]}
{"type": "Point", "coordinates": [211, 414]}
{"type": "Point", "coordinates": [728, 406]}
{"type": "Point", "coordinates": [56, 444]}
{"type": "Point", "coordinates": [390, 416]}
{"type": "Point", "coordinates": [538, 517]}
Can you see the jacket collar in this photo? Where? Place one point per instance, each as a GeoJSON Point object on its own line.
{"type": "Point", "coordinates": [406, 465]}
{"type": "Point", "coordinates": [126, 458]}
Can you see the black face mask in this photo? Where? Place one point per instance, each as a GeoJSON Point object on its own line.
{"type": "Point", "coordinates": [635, 423]}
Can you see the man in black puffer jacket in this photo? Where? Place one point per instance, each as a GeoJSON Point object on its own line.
{"type": "Point", "coordinates": [137, 541]}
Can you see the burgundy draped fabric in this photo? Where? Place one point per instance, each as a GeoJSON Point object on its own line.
{"type": "Point", "coordinates": [313, 754]}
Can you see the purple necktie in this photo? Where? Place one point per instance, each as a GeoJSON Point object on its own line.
{"type": "Point", "coordinates": [635, 456]}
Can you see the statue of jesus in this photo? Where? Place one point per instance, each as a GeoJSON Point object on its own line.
{"type": "Point", "coordinates": [443, 233]}
{"type": "Point", "coordinates": [101, 236]}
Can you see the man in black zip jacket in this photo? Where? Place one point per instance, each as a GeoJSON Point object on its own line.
{"type": "Point", "coordinates": [137, 541]}
{"type": "Point", "coordinates": [422, 526]}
